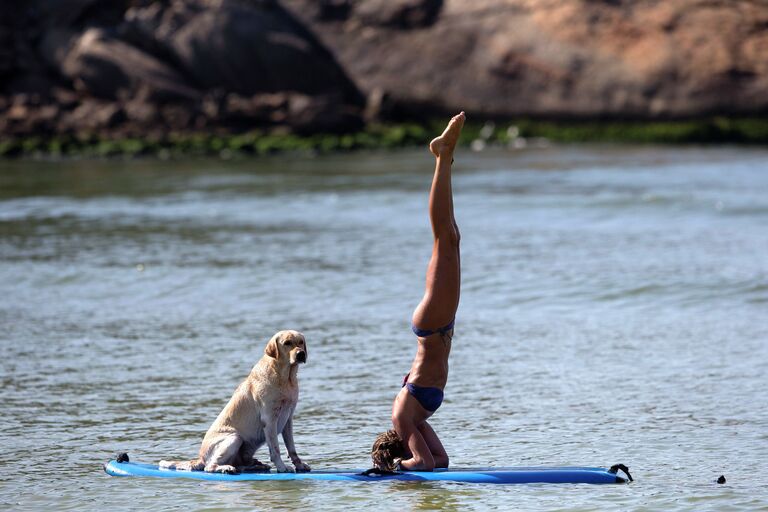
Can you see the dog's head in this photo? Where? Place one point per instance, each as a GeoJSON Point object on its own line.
{"type": "Point", "coordinates": [287, 346]}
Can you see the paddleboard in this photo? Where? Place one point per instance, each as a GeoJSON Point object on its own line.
{"type": "Point", "coordinates": [513, 475]}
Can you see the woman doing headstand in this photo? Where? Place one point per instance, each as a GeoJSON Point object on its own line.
{"type": "Point", "coordinates": [412, 440]}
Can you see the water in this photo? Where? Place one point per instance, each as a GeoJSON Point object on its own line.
{"type": "Point", "coordinates": [613, 310]}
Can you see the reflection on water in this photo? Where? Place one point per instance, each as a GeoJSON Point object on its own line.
{"type": "Point", "coordinates": [613, 310]}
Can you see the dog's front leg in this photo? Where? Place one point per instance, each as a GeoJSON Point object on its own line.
{"type": "Point", "coordinates": [270, 432]}
{"type": "Point", "coordinates": [288, 440]}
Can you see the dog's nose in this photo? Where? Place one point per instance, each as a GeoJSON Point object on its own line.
{"type": "Point", "coordinates": [301, 356]}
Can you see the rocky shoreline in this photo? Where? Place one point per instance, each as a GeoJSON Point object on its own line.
{"type": "Point", "coordinates": [85, 68]}
{"type": "Point", "coordinates": [257, 76]}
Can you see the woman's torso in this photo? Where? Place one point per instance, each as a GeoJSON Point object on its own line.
{"type": "Point", "coordinates": [430, 366]}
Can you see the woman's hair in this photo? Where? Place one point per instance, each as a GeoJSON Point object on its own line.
{"type": "Point", "coordinates": [386, 448]}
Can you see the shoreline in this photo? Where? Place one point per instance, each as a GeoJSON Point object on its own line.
{"type": "Point", "coordinates": [516, 134]}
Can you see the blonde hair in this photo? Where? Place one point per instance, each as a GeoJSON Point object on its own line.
{"type": "Point", "coordinates": [386, 449]}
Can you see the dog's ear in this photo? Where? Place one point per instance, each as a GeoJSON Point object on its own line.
{"type": "Point", "coordinates": [272, 350]}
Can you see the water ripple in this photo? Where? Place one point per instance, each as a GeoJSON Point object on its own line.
{"type": "Point", "coordinates": [613, 309]}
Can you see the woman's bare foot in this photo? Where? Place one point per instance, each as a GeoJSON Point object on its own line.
{"type": "Point", "coordinates": [444, 145]}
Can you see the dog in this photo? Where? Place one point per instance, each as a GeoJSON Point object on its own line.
{"type": "Point", "coordinates": [260, 409]}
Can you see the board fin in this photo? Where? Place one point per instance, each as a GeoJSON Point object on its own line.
{"type": "Point", "coordinates": [620, 467]}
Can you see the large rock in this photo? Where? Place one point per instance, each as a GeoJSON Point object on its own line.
{"type": "Point", "coordinates": [126, 66]}
{"type": "Point", "coordinates": [242, 47]}
{"type": "Point", "coordinates": [551, 58]}
{"type": "Point", "coordinates": [109, 68]}
{"type": "Point", "coordinates": [399, 13]}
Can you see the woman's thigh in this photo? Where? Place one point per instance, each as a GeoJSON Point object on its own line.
{"type": "Point", "coordinates": [441, 297]}
{"type": "Point", "coordinates": [433, 442]}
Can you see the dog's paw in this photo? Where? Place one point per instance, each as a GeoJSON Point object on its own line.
{"type": "Point", "coordinates": [256, 467]}
{"type": "Point", "coordinates": [302, 468]}
{"type": "Point", "coordinates": [256, 462]}
{"type": "Point", "coordinates": [283, 469]}
{"type": "Point", "coordinates": [226, 469]}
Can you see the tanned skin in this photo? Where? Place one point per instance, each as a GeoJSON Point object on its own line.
{"type": "Point", "coordinates": [436, 310]}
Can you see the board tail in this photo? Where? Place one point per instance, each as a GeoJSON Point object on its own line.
{"type": "Point", "coordinates": [183, 465]}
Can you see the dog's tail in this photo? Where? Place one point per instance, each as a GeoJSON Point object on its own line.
{"type": "Point", "coordinates": [183, 465]}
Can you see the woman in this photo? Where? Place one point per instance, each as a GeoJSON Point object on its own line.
{"type": "Point", "coordinates": [412, 440]}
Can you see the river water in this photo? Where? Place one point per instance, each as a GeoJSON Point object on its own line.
{"type": "Point", "coordinates": [614, 309]}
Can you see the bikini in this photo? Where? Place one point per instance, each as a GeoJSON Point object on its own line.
{"type": "Point", "coordinates": [423, 333]}
{"type": "Point", "coordinates": [430, 398]}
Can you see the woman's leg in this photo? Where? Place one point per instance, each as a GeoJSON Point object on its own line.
{"type": "Point", "coordinates": [441, 297]}
{"type": "Point", "coordinates": [439, 455]}
{"type": "Point", "coordinates": [426, 452]}
{"type": "Point", "coordinates": [407, 416]}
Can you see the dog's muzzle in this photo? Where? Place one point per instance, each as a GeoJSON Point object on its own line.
{"type": "Point", "coordinates": [301, 357]}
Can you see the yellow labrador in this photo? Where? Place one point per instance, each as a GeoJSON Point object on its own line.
{"type": "Point", "coordinates": [261, 408]}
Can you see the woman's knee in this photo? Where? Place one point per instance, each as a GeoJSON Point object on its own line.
{"type": "Point", "coordinates": [449, 236]}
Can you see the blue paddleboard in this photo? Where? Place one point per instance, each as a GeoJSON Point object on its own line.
{"type": "Point", "coordinates": [522, 475]}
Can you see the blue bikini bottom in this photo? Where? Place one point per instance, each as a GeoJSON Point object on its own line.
{"type": "Point", "coordinates": [430, 398]}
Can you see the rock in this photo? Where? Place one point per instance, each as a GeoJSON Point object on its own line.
{"type": "Point", "coordinates": [17, 112]}
{"type": "Point", "coordinates": [7, 44]}
{"type": "Point", "coordinates": [641, 59]}
{"type": "Point", "coordinates": [108, 68]}
{"type": "Point", "coordinates": [378, 106]}
{"type": "Point", "coordinates": [328, 10]}
{"type": "Point", "coordinates": [251, 51]}
{"type": "Point", "coordinates": [405, 14]}
{"type": "Point", "coordinates": [150, 66]}
{"type": "Point", "coordinates": [177, 117]}
{"type": "Point", "coordinates": [65, 98]}
{"type": "Point", "coordinates": [47, 114]}
{"type": "Point", "coordinates": [133, 66]}
{"type": "Point", "coordinates": [255, 109]}
{"type": "Point", "coordinates": [21, 69]}
{"type": "Point", "coordinates": [26, 115]}
{"type": "Point", "coordinates": [241, 47]}
{"type": "Point", "coordinates": [299, 112]}
{"type": "Point", "coordinates": [92, 116]}
{"type": "Point", "coordinates": [76, 13]}
{"type": "Point", "coordinates": [141, 112]}
{"type": "Point", "coordinates": [313, 114]}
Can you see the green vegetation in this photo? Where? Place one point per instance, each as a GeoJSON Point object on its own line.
{"type": "Point", "coordinates": [715, 130]}
{"type": "Point", "coordinates": [390, 136]}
